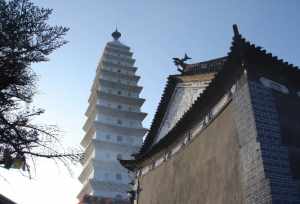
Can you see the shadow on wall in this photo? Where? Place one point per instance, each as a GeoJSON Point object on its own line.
{"type": "Point", "coordinates": [289, 116]}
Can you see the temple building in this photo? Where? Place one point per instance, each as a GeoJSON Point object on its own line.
{"type": "Point", "coordinates": [5, 200]}
{"type": "Point", "coordinates": [226, 131]}
{"type": "Point", "coordinates": [113, 129]}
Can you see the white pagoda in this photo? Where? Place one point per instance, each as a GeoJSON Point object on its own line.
{"type": "Point", "coordinates": [113, 129]}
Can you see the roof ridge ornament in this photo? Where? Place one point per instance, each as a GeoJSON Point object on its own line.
{"type": "Point", "coordinates": [240, 45]}
{"type": "Point", "coordinates": [236, 30]}
{"type": "Point", "coordinates": [180, 62]}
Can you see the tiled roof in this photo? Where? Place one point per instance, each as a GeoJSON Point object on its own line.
{"type": "Point", "coordinates": [4, 200]}
{"type": "Point", "coordinates": [241, 53]}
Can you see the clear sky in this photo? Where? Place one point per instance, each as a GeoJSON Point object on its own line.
{"type": "Point", "coordinates": [156, 30]}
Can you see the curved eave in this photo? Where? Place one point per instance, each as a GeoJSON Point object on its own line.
{"type": "Point", "coordinates": [120, 99]}
{"type": "Point", "coordinates": [86, 189]}
{"type": "Point", "coordinates": [129, 164]}
{"type": "Point", "coordinates": [93, 97]}
{"type": "Point", "coordinates": [86, 141]}
{"type": "Point", "coordinates": [105, 145]}
{"type": "Point", "coordinates": [115, 98]}
{"type": "Point", "coordinates": [116, 65]}
{"type": "Point", "coordinates": [86, 172]}
{"type": "Point", "coordinates": [160, 111]}
{"type": "Point", "coordinates": [124, 52]}
{"type": "Point", "coordinates": [87, 137]}
{"type": "Point", "coordinates": [112, 97]}
{"type": "Point", "coordinates": [218, 87]}
{"type": "Point", "coordinates": [91, 106]}
{"type": "Point", "coordinates": [138, 132]}
{"type": "Point", "coordinates": [102, 165]}
{"type": "Point", "coordinates": [113, 145]}
{"type": "Point", "coordinates": [120, 113]}
{"type": "Point", "coordinates": [118, 45]}
{"type": "Point", "coordinates": [109, 186]}
{"type": "Point", "coordinates": [121, 129]}
{"type": "Point", "coordinates": [89, 121]}
{"type": "Point", "coordinates": [201, 107]}
{"type": "Point", "coordinates": [106, 72]}
{"type": "Point", "coordinates": [109, 56]}
{"type": "Point", "coordinates": [88, 153]}
{"type": "Point", "coordinates": [118, 85]}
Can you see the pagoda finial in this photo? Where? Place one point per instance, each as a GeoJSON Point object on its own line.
{"type": "Point", "coordinates": [235, 30]}
{"type": "Point", "coordinates": [116, 34]}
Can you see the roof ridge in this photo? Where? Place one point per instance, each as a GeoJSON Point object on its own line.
{"type": "Point", "coordinates": [263, 52]}
{"type": "Point", "coordinates": [240, 51]}
{"type": "Point", "coordinates": [171, 80]}
{"type": "Point", "coordinates": [186, 116]}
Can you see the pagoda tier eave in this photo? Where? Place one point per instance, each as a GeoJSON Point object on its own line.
{"type": "Point", "coordinates": [86, 171]}
{"type": "Point", "coordinates": [122, 129]}
{"type": "Point", "coordinates": [92, 120]}
{"type": "Point", "coordinates": [134, 132]}
{"type": "Point", "coordinates": [104, 71]}
{"type": "Point", "coordinates": [113, 49]}
{"type": "Point", "coordinates": [92, 130]}
{"type": "Point", "coordinates": [105, 166]}
{"type": "Point", "coordinates": [118, 46]}
{"type": "Point", "coordinates": [93, 103]}
{"type": "Point", "coordinates": [87, 189]}
{"type": "Point", "coordinates": [110, 56]}
{"type": "Point", "coordinates": [87, 137]}
{"type": "Point", "coordinates": [108, 144]}
{"type": "Point", "coordinates": [105, 110]}
{"type": "Point", "coordinates": [116, 98]}
{"type": "Point", "coordinates": [113, 127]}
{"type": "Point", "coordinates": [113, 84]}
{"type": "Point", "coordinates": [109, 186]}
{"type": "Point", "coordinates": [140, 116]}
{"type": "Point", "coordinates": [116, 65]}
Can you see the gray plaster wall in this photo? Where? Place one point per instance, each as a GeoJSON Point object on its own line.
{"type": "Point", "coordinates": [205, 171]}
{"type": "Point", "coordinates": [249, 154]}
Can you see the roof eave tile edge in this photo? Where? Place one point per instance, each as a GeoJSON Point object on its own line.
{"type": "Point", "coordinates": [239, 45]}
{"type": "Point", "coordinates": [186, 121]}
{"type": "Point", "coordinates": [159, 114]}
{"type": "Point", "coordinates": [143, 154]}
{"type": "Point", "coordinates": [171, 84]}
{"type": "Point", "coordinates": [132, 164]}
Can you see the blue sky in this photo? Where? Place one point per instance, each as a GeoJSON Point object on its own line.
{"type": "Point", "coordinates": [156, 31]}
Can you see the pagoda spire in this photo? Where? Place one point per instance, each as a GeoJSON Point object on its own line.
{"type": "Point", "coordinates": [116, 34]}
{"type": "Point", "coordinates": [113, 127]}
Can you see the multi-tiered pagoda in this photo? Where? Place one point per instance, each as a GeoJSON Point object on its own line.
{"type": "Point", "coordinates": [113, 129]}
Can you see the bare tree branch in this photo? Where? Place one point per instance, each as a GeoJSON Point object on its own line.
{"type": "Point", "coordinates": [26, 38]}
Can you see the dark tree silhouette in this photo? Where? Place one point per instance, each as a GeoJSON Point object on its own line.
{"type": "Point", "coordinates": [25, 38]}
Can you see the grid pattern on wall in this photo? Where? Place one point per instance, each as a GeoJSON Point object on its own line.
{"type": "Point", "coordinates": [274, 153]}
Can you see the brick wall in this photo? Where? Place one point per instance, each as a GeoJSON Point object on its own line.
{"type": "Point", "coordinates": [275, 154]}
{"type": "Point", "coordinates": [256, 188]}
